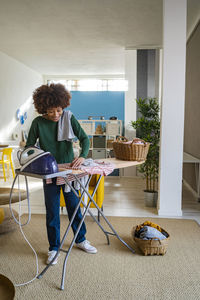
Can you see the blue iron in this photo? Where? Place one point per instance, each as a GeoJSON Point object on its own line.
{"type": "Point", "coordinates": [37, 161]}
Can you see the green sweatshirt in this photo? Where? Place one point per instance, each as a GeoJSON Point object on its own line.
{"type": "Point", "coordinates": [46, 131]}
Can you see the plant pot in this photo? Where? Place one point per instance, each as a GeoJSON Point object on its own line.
{"type": "Point", "coordinates": [150, 198]}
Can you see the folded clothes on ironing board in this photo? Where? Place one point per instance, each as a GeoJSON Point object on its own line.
{"type": "Point", "coordinates": [92, 167]}
{"type": "Point", "coordinates": [89, 167]}
{"type": "Point", "coordinates": [97, 167]}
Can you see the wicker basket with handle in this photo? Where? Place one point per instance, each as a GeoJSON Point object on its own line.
{"type": "Point", "coordinates": [125, 150]}
{"type": "Point", "coordinates": [154, 246]}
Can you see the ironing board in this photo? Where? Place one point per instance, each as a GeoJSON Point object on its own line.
{"type": "Point", "coordinates": [68, 176]}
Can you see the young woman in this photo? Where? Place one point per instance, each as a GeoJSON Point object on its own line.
{"type": "Point", "coordinates": [49, 102]}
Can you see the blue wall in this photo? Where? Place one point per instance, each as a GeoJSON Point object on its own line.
{"type": "Point", "coordinates": [107, 104]}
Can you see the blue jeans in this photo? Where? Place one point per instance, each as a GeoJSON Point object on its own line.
{"type": "Point", "coordinates": [52, 203]}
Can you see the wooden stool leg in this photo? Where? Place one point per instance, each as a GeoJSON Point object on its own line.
{"type": "Point", "coordinates": [8, 170]}
{"type": "Point", "coordinates": [4, 171]}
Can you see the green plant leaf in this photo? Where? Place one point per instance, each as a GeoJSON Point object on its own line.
{"type": "Point", "coordinates": [148, 129]}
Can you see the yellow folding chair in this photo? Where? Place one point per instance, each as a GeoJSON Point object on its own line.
{"type": "Point", "coordinates": [7, 160]}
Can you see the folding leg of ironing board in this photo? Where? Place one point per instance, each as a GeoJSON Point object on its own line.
{"type": "Point", "coordinates": [68, 227]}
{"type": "Point", "coordinates": [87, 210]}
{"type": "Point", "coordinates": [78, 229]}
{"type": "Point", "coordinates": [91, 200]}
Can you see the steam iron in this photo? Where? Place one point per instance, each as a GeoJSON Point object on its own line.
{"type": "Point", "coordinates": [37, 161]}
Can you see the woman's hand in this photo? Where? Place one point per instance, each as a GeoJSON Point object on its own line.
{"type": "Point", "coordinates": [77, 161]}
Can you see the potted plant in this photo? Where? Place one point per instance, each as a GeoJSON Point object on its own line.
{"type": "Point", "coordinates": [148, 128]}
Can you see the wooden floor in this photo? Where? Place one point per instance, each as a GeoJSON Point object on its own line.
{"type": "Point", "coordinates": [123, 197]}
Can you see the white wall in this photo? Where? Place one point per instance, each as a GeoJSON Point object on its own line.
{"type": "Point", "coordinates": [17, 83]}
{"type": "Point", "coordinates": [130, 103]}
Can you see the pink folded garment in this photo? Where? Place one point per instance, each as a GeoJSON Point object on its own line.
{"type": "Point", "coordinates": [98, 167]}
{"type": "Point", "coordinates": [95, 167]}
{"type": "Point", "coordinates": [129, 142]}
{"type": "Point", "coordinates": [134, 142]}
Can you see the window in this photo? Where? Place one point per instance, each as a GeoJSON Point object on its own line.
{"type": "Point", "coordinates": [93, 84]}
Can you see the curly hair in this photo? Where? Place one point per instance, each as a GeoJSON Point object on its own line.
{"type": "Point", "coordinates": [50, 96]}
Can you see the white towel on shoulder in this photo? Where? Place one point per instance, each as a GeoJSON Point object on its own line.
{"type": "Point", "coordinates": [65, 131]}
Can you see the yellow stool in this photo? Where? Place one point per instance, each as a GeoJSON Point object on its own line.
{"type": "Point", "coordinates": [98, 196]}
{"type": "Point", "coordinates": [7, 160]}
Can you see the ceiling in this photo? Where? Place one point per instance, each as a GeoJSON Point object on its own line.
{"type": "Point", "coordinates": [81, 37]}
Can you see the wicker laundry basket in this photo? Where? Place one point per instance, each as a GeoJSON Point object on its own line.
{"type": "Point", "coordinates": [154, 246]}
{"type": "Point", "coordinates": [125, 150]}
{"type": "Point", "coordinates": [110, 144]}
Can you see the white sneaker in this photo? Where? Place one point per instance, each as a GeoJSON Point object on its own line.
{"type": "Point", "coordinates": [85, 246]}
{"type": "Point", "coordinates": [51, 255]}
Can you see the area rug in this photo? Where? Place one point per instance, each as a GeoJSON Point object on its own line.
{"type": "Point", "coordinates": [114, 272]}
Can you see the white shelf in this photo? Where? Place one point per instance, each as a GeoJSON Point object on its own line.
{"type": "Point", "coordinates": [108, 130]}
{"type": "Point", "coordinates": [109, 127]}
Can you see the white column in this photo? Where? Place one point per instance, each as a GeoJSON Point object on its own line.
{"type": "Point", "coordinates": [130, 95]}
{"type": "Point", "coordinates": [130, 103]}
{"type": "Point", "coordinates": [172, 109]}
